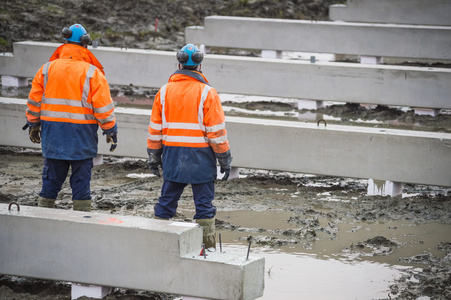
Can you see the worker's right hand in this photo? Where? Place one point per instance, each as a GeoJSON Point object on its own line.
{"type": "Point", "coordinates": [154, 161]}
{"type": "Point", "coordinates": [35, 134]}
{"type": "Point", "coordinates": [112, 138]}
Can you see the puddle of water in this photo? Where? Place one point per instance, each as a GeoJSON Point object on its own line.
{"type": "Point", "coordinates": [323, 270]}
{"type": "Point", "coordinates": [302, 276]}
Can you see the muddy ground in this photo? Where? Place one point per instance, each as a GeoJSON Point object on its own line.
{"type": "Point", "coordinates": [315, 209]}
{"type": "Point", "coordinates": [318, 210]}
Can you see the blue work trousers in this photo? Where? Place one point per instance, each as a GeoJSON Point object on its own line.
{"type": "Point", "coordinates": [203, 193]}
{"type": "Point", "coordinates": [55, 172]}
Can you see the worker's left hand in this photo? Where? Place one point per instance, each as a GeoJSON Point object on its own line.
{"type": "Point", "coordinates": [225, 162]}
{"type": "Point", "coordinates": [154, 161]}
{"type": "Point", "coordinates": [112, 138]}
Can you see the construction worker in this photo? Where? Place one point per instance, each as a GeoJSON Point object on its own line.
{"type": "Point", "coordinates": [69, 99]}
{"type": "Point", "coordinates": [187, 135]}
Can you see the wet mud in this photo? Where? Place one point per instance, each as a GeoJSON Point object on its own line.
{"type": "Point", "coordinates": [296, 214]}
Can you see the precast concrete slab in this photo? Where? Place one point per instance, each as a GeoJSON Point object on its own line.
{"type": "Point", "coordinates": [391, 40]}
{"type": "Point", "coordinates": [346, 151]}
{"type": "Point", "coordinates": [424, 12]}
{"type": "Point", "coordinates": [122, 251]}
{"type": "Point", "coordinates": [404, 156]}
{"type": "Point", "coordinates": [321, 81]}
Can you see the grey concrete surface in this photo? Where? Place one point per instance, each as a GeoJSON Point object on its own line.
{"type": "Point", "coordinates": [346, 151]}
{"type": "Point", "coordinates": [391, 40]}
{"type": "Point", "coordinates": [424, 12]}
{"type": "Point", "coordinates": [323, 81]}
{"type": "Point", "coordinates": [122, 251]}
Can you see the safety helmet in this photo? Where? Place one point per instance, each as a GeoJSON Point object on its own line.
{"type": "Point", "coordinates": [76, 34]}
{"type": "Point", "coordinates": [190, 56]}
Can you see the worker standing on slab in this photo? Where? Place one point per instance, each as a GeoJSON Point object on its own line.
{"type": "Point", "coordinates": [187, 135]}
{"type": "Point", "coordinates": [69, 99]}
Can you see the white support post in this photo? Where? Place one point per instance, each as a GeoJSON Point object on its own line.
{"type": "Point", "coordinates": [98, 160]}
{"type": "Point", "coordinates": [310, 104]}
{"type": "Point", "coordinates": [371, 60]}
{"type": "Point", "coordinates": [204, 49]}
{"type": "Point", "coordinates": [384, 188]}
{"type": "Point", "coordinates": [234, 173]}
{"type": "Point", "coordinates": [92, 291]}
{"type": "Point", "coordinates": [271, 54]}
{"type": "Point", "coordinates": [426, 111]}
{"type": "Point", "coordinates": [11, 81]}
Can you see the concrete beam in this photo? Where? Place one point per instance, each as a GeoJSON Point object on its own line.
{"type": "Point", "coordinates": [424, 12]}
{"type": "Point", "coordinates": [347, 151]}
{"type": "Point", "coordinates": [122, 251]}
{"type": "Point", "coordinates": [407, 41]}
{"type": "Point", "coordinates": [322, 81]}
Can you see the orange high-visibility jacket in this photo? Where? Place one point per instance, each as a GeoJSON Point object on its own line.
{"type": "Point", "coordinates": [70, 98]}
{"type": "Point", "coordinates": [188, 122]}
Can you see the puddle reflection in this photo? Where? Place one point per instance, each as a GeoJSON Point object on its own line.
{"type": "Point", "coordinates": [301, 276]}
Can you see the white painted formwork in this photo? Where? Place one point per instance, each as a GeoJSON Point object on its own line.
{"type": "Point", "coordinates": [367, 39]}
{"type": "Point", "coordinates": [321, 81]}
{"type": "Point", "coordinates": [122, 251]}
{"type": "Point", "coordinates": [425, 12]}
{"type": "Point", "coordinates": [403, 156]}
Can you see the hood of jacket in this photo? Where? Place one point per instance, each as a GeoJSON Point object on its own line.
{"type": "Point", "coordinates": [71, 51]}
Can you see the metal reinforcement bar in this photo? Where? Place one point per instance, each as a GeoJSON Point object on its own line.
{"type": "Point", "coordinates": [425, 12]}
{"type": "Point", "coordinates": [386, 40]}
{"type": "Point", "coordinates": [348, 151]}
{"type": "Point", "coordinates": [122, 251]}
{"type": "Point", "coordinates": [415, 87]}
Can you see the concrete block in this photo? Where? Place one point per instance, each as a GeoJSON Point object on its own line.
{"type": "Point", "coordinates": [409, 156]}
{"type": "Point", "coordinates": [426, 112]}
{"type": "Point", "coordinates": [384, 188]}
{"type": "Point", "coordinates": [271, 54]}
{"type": "Point", "coordinates": [425, 12]}
{"type": "Point", "coordinates": [8, 81]}
{"type": "Point", "coordinates": [371, 60]}
{"type": "Point", "coordinates": [234, 173]}
{"type": "Point", "coordinates": [390, 40]}
{"type": "Point", "coordinates": [92, 291]}
{"type": "Point", "coordinates": [122, 251]}
{"type": "Point", "coordinates": [324, 81]}
{"type": "Point", "coordinates": [98, 160]}
{"type": "Point", "coordinates": [310, 104]}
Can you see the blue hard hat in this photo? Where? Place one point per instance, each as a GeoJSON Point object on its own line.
{"type": "Point", "coordinates": [190, 56]}
{"type": "Point", "coordinates": [77, 32]}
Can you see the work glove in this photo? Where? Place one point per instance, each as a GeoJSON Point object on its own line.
{"type": "Point", "coordinates": [154, 161]}
{"type": "Point", "coordinates": [35, 134]}
{"type": "Point", "coordinates": [111, 138]}
{"type": "Point", "coordinates": [225, 162]}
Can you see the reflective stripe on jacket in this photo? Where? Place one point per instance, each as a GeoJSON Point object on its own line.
{"type": "Point", "coordinates": [188, 120]}
{"type": "Point", "coordinates": [70, 98]}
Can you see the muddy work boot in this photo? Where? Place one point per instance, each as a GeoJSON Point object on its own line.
{"type": "Point", "coordinates": [44, 202]}
{"type": "Point", "coordinates": [209, 232]}
{"type": "Point", "coordinates": [82, 205]}
{"type": "Point", "coordinates": [158, 218]}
